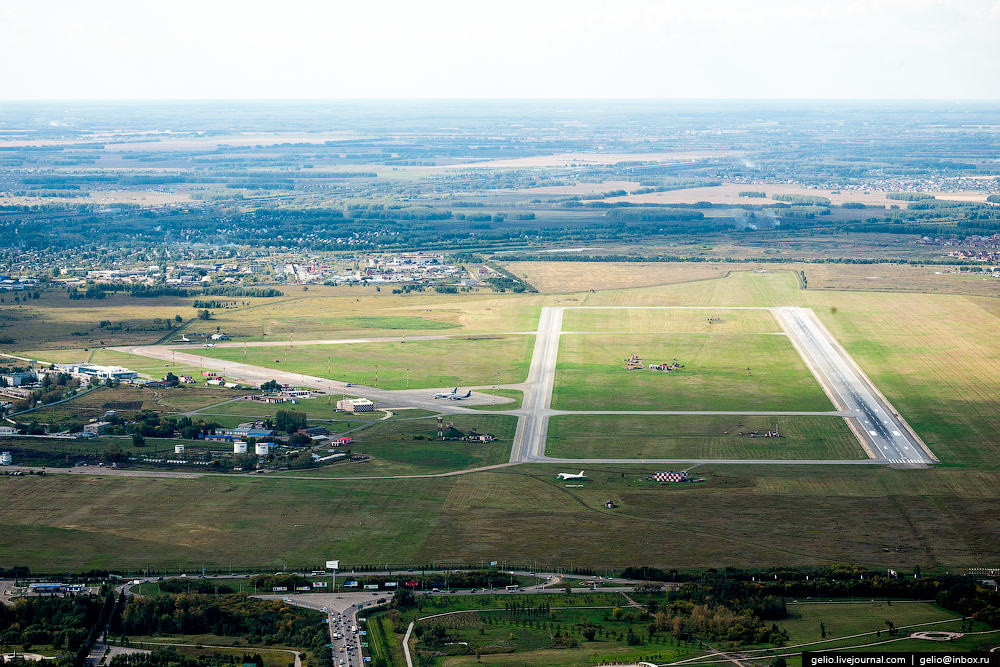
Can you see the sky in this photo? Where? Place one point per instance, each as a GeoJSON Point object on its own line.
{"type": "Point", "coordinates": [545, 49]}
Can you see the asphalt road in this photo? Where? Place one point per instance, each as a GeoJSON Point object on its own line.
{"type": "Point", "coordinates": [885, 432]}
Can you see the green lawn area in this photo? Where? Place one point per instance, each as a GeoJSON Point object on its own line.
{"type": "Point", "coordinates": [515, 394]}
{"type": "Point", "coordinates": [681, 320]}
{"type": "Point", "coordinates": [699, 436]}
{"type": "Point", "coordinates": [846, 619]}
{"type": "Point", "coordinates": [396, 449]}
{"type": "Point", "coordinates": [591, 374]}
{"type": "Point", "coordinates": [466, 361]}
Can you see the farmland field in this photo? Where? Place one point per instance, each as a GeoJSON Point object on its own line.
{"type": "Point", "coordinates": [431, 363]}
{"type": "Point", "coordinates": [591, 374]}
{"type": "Point", "coordinates": [699, 437]}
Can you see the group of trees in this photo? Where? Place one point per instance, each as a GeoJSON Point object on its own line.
{"type": "Point", "coordinates": [62, 622]}
{"type": "Point", "coordinates": [169, 657]}
{"type": "Point", "coordinates": [261, 621]}
{"type": "Point", "coordinates": [289, 421]}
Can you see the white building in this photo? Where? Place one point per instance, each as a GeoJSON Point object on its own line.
{"type": "Point", "coordinates": [356, 405]}
{"type": "Point", "coordinates": [5, 459]}
{"type": "Point", "coordinates": [260, 449]}
{"type": "Point", "coordinates": [7, 431]}
{"type": "Point", "coordinates": [100, 372]}
{"type": "Point", "coordinates": [17, 379]}
{"type": "Point", "coordinates": [239, 447]}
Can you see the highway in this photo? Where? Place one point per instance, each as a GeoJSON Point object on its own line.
{"type": "Point", "coordinates": [884, 431]}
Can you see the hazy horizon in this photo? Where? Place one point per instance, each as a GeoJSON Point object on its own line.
{"type": "Point", "coordinates": [447, 50]}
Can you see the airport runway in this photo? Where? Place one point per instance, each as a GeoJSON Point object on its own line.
{"type": "Point", "coordinates": [888, 436]}
{"type": "Point", "coordinates": [884, 434]}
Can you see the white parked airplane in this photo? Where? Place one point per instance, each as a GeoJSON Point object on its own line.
{"type": "Point", "coordinates": [456, 397]}
{"type": "Point", "coordinates": [183, 339]}
{"type": "Point", "coordinates": [569, 475]}
{"type": "Point", "coordinates": [445, 394]}
{"type": "Point", "coordinates": [209, 345]}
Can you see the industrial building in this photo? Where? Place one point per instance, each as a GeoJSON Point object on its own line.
{"type": "Point", "coordinates": [5, 459]}
{"type": "Point", "coordinates": [97, 428]}
{"type": "Point", "coordinates": [356, 405]}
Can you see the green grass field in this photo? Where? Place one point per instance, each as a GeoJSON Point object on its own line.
{"type": "Point", "coordinates": [845, 619]}
{"type": "Point", "coordinates": [432, 363]}
{"type": "Point", "coordinates": [701, 437]}
{"type": "Point", "coordinates": [669, 321]}
{"type": "Point", "coordinates": [792, 514]}
{"type": "Point", "coordinates": [515, 394]}
{"type": "Point", "coordinates": [591, 374]}
{"type": "Point", "coordinates": [164, 400]}
{"type": "Point", "coordinates": [396, 449]}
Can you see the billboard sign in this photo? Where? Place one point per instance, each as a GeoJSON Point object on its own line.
{"type": "Point", "coordinates": [333, 564]}
{"type": "Point", "coordinates": [319, 584]}
{"type": "Point", "coordinates": [279, 589]}
{"type": "Point", "coordinates": [350, 584]}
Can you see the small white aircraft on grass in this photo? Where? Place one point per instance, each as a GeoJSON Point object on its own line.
{"type": "Point", "coordinates": [445, 394]}
{"type": "Point", "coordinates": [183, 339]}
{"type": "Point", "coordinates": [569, 475]}
{"type": "Point", "coordinates": [456, 397]}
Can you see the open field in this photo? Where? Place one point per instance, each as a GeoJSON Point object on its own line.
{"type": "Point", "coordinates": [431, 363]}
{"type": "Point", "coordinates": [740, 516]}
{"type": "Point", "coordinates": [743, 287]}
{"type": "Point", "coordinates": [356, 312]}
{"type": "Point", "coordinates": [410, 447]}
{"type": "Point", "coordinates": [699, 437]}
{"type": "Point", "coordinates": [561, 278]}
{"type": "Point", "coordinates": [670, 321]}
{"type": "Point", "coordinates": [847, 618]}
{"type": "Point", "coordinates": [55, 321]}
{"type": "Point", "coordinates": [898, 278]}
{"type": "Point", "coordinates": [591, 374]}
{"type": "Point", "coordinates": [570, 277]}
{"type": "Point", "coordinates": [164, 400]}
